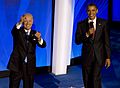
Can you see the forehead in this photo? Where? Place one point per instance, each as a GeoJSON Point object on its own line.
{"type": "Point", "coordinates": [92, 7]}
{"type": "Point", "coordinates": [29, 17]}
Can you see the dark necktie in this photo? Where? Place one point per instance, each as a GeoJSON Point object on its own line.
{"type": "Point", "coordinates": [92, 26]}
{"type": "Point", "coordinates": [27, 40]}
{"type": "Point", "coordinates": [27, 36]}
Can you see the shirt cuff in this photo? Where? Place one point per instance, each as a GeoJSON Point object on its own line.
{"type": "Point", "coordinates": [87, 35]}
{"type": "Point", "coordinates": [18, 25]}
{"type": "Point", "coordinates": [40, 41]}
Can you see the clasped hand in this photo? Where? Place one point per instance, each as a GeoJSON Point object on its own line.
{"type": "Point", "coordinates": [90, 32]}
{"type": "Point", "coordinates": [38, 35]}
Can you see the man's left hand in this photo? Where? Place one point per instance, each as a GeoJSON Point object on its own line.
{"type": "Point", "coordinates": [38, 35]}
{"type": "Point", "coordinates": [107, 63]}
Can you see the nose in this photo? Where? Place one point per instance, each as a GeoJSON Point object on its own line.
{"type": "Point", "coordinates": [27, 23]}
{"type": "Point", "coordinates": [90, 12]}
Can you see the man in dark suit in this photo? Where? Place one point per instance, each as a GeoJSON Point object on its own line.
{"type": "Point", "coordinates": [93, 33]}
{"type": "Point", "coordinates": [22, 61]}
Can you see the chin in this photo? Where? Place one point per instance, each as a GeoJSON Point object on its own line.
{"type": "Point", "coordinates": [27, 28]}
{"type": "Point", "coordinates": [92, 18]}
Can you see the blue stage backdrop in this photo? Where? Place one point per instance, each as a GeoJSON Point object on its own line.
{"type": "Point", "coordinates": [116, 10]}
{"type": "Point", "coordinates": [10, 13]}
{"type": "Point", "coordinates": [80, 14]}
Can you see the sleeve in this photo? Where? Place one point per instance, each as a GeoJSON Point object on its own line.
{"type": "Point", "coordinates": [41, 43]}
{"type": "Point", "coordinates": [80, 36]}
{"type": "Point", "coordinates": [15, 29]}
{"type": "Point", "coordinates": [107, 39]}
{"type": "Point", "coordinates": [18, 25]}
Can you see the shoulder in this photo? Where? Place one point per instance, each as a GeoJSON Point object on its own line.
{"type": "Point", "coordinates": [101, 20]}
{"type": "Point", "coordinates": [33, 31]}
{"type": "Point", "coordinates": [82, 22]}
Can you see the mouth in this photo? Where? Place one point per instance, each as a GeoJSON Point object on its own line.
{"type": "Point", "coordinates": [91, 15]}
{"type": "Point", "coordinates": [28, 25]}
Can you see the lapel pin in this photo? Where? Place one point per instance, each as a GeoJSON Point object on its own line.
{"type": "Point", "coordinates": [99, 24]}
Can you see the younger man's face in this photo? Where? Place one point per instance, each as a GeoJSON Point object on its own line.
{"type": "Point", "coordinates": [92, 11]}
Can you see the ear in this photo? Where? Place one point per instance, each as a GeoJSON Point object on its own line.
{"type": "Point", "coordinates": [97, 11]}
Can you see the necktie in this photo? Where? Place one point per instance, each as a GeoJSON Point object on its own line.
{"type": "Point", "coordinates": [27, 39]}
{"type": "Point", "coordinates": [92, 26]}
{"type": "Point", "coordinates": [27, 36]}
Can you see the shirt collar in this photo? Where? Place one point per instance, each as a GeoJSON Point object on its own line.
{"type": "Point", "coordinates": [27, 31]}
{"type": "Point", "coordinates": [92, 20]}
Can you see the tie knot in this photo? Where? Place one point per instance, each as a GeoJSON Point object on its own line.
{"type": "Point", "coordinates": [91, 24]}
{"type": "Point", "coordinates": [27, 32]}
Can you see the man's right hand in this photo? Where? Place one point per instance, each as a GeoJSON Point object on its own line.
{"type": "Point", "coordinates": [22, 19]}
{"type": "Point", "coordinates": [19, 24]}
{"type": "Point", "coordinates": [90, 32]}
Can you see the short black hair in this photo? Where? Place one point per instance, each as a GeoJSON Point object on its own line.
{"type": "Point", "coordinates": [92, 4]}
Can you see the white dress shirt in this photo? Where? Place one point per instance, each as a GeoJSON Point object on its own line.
{"type": "Point", "coordinates": [94, 22]}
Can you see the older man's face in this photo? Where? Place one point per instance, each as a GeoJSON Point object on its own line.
{"type": "Point", "coordinates": [28, 21]}
{"type": "Point", "coordinates": [92, 11]}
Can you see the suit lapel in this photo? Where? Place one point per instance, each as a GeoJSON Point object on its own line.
{"type": "Point", "coordinates": [98, 27]}
{"type": "Point", "coordinates": [23, 38]}
{"type": "Point", "coordinates": [85, 26]}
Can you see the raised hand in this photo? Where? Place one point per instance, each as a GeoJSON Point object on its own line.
{"type": "Point", "coordinates": [38, 35]}
{"type": "Point", "coordinates": [22, 19]}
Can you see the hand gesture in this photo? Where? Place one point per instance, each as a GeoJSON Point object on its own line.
{"type": "Point", "coordinates": [22, 19]}
{"type": "Point", "coordinates": [107, 63]}
{"type": "Point", "coordinates": [38, 35]}
{"type": "Point", "coordinates": [90, 32]}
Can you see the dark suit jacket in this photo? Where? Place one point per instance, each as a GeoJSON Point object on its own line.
{"type": "Point", "coordinates": [100, 45]}
{"type": "Point", "coordinates": [21, 49]}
